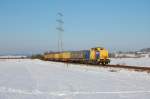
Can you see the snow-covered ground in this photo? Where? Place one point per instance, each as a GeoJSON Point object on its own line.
{"type": "Point", "coordinates": [11, 56]}
{"type": "Point", "coordinates": [144, 62]}
{"type": "Point", "coordinates": [36, 79]}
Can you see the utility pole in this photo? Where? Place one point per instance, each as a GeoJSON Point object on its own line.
{"type": "Point", "coordinates": [60, 30]}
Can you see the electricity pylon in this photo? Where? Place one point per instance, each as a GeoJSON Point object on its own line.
{"type": "Point", "coordinates": [60, 30]}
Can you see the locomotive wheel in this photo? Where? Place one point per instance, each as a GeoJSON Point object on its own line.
{"type": "Point", "coordinates": [103, 63]}
{"type": "Point", "coordinates": [106, 63]}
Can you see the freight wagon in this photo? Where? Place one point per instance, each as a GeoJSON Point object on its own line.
{"type": "Point", "coordinates": [96, 55]}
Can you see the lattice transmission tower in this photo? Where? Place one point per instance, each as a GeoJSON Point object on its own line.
{"type": "Point", "coordinates": [60, 30]}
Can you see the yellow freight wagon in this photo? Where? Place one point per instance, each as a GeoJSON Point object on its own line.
{"type": "Point", "coordinates": [56, 56]}
{"type": "Point", "coordinates": [49, 56]}
{"type": "Point", "coordinates": [66, 56]}
{"type": "Point", "coordinates": [61, 55]}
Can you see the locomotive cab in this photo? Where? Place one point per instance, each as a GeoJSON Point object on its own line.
{"type": "Point", "coordinates": [99, 55]}
{"type": "Point", "coordinates": [104, 56]}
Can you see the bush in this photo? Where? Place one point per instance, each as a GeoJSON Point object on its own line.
{"type": "Point", "coordinates": [37, 56]}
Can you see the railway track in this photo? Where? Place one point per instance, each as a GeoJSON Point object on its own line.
{"type": "Point", "coordinates": [131, 68]}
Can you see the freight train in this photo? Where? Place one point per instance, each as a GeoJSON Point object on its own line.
{"type": "Point", "coordinates": [97, 55]}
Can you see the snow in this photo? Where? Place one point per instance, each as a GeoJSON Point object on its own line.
{"type": "Point", "coordinates": [144, 62]}
{"type": "Point", "coordinates": [36, 79]}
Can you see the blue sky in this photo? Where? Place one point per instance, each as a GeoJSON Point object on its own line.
{"type": "Point", "coordinates": [29, 26]}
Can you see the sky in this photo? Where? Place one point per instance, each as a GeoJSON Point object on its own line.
{"type": "Point", "coordinates": [29, 26]}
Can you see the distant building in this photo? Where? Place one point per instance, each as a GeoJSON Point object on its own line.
{"type": "Point", "coordinates": [144, 54]}
{"type": "Point", "coordinates": [132, 54]}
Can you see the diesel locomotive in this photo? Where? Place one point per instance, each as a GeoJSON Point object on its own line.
{"type": "Point", "coordinates": [97, 55]}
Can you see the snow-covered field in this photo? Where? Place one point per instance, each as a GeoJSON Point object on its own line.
{"type": "Point", "coordinates": [144, 62]}
{"type": "Point", "coordinates": [36, 79]}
